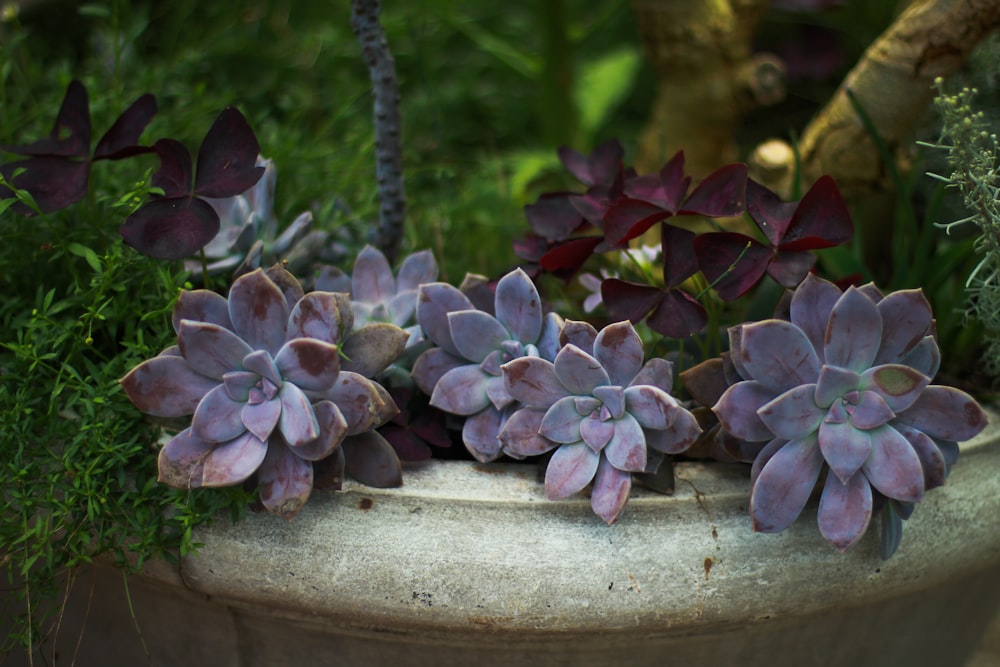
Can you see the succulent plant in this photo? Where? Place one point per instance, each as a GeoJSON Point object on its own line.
{"type": "Point", "coordinates": [247, 229]}
{"type": "Point", "coordinates": [377, 295]}
{"type": "Point", "coordinates": [261, 373]}
{"type": "Point", "coordinates": [462, 374]}
{"type": "Point", "coordinates": [844, 386]}
{"type": "Point", "coordinates": [606, 414]}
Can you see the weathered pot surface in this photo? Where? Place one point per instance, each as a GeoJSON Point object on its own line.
{"type": "Point", "coordinates": [469, 564]}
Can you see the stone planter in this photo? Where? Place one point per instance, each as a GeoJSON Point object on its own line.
{"type": "Point", "coordinates": [468, 564]}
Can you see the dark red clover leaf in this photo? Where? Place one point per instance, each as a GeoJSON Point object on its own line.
{"type": "Point", "coordinates": [179, 223]}
{"type": "Point", "coordinates": [57, 170]}
{"type": "Point", "coordinates": [733, 263]}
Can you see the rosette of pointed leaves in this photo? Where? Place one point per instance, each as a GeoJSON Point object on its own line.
{"type": "Point", "coordinates": [247, 229]}
{"type": "Point", "coordinates": [262, 376]}
{"type": "Point", "coordinates": [377, 295]}
{"type": "Point", "coordinates": [462, 374]}
{"type": "Point", "coordinates": [843, 386]}
{"type": "Point", "coordinates": [606, 414]}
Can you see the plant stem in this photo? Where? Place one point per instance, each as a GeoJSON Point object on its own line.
{"type": "Point", "coordinates": [388, 147]}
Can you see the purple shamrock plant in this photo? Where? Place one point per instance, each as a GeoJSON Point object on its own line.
{"type": "Point", "coordinates": [462, 373]}
{"type": "Point", "coordinates": [606, 414]}
{"type": "Point", "coordinates": [842, 387]}
{"type": "Point", "coordinates": [263, 376]}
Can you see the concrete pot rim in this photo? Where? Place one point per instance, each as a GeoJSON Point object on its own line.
{"type": "Point", "coordinates": [471, 548]}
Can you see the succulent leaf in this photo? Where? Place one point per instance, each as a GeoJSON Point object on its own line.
{"type": "Point", "coordinates": [893, 466]}
{"type": "Point", "coordinates": [619, 350]}
{"type": "Point", "coordinates": [784, 484]}
{"type": "Point", "coordinates": [533, 382]}
{"type": "Point", "coordinates": [627, 449]}
{"type": "Point", "coordinates": [845, 510]}
{"type": "Point", "coordinates": [479, 433]}
{"type": "Point", "coordinates": [610, 492]}
{"type": "Point", "coordinates": [476, 333]}
{"type": "Point", "coordinates": [853, 333]}
{"type": "Point", "coordinates": [793, 414]}
{"type": "Point", "coordinates": [310, 364]}
{"type": "Point", "coordinates": [181, 462]}
{"type": "Point", "coordinates": [217, 418]}
{"type": "Point", "coordinates": [461, 391]}
{"type": "Point", "coordinates": [297, 423]}
{"type": "Point", "coordinates": [778, 355]}
{"type": "Point", "coordinates": [571, 468]}
{"type": "Point", "coordinates": [518, 306]}
{"type": "Point", "coordinates": [520, 434]}
{"type": "Point", "coordinates": [285, 481]}
{"type": "Point", "coordinates": [579, 372]}
{"type": "Point", "coordinates": [166, 386]}
{"type": "Point", "coordinates": [370, 349]}
{"type": "Point", "coordinates": [232, 462]}
{"type": "Point", "coordinates": [259, 311]}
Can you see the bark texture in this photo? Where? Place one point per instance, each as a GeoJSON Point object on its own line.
{"type": "Point", "coordinates": [388, 145]}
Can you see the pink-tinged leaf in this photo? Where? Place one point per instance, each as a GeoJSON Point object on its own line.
{"type": "Point", "coordinates": [945, 413]}
{"type": "Point", "coordinates": [298, 424]}
{"type": "Point", "coordinates": [658, 373]}
{"type": "Point", "coordinates": [763, 452]}
{"type": "Point", "coordinates": [54, 182]}
{"type": "Point", "coordinates": [417, 269]}
{"type": "Point", "coordinates": [821, 219]}
{"type": "Point", "coordinates": [70, 135]}
{"type": "Point", "coordinates": [227, 159]}
{"type": "Point", "coordinates": [845, 509]}
{"type": "Point", "coordinates": [679, 259]}
{"type": "Point", "coordinates": [518, 306]}
{"type": "Point", "coordinates": [260, 418]}
{"type": "Point", "coordinates": [174, 176]}
{"type": "Point", "coordinates": [570, 469]}
{"type": "Point", "coordinates": [123, 138]}
{"type": "Point", "coordinates": [533, 382]}
{"type": "Point", "coordinates": [898, 385]}
{"type": "Point", "coordinates": [386, 406]}
{"type": "Point", "coordinates": [833, 383]}
{"type": "Point", "coordinates": [217, 418]}
{"type": "Point", "coordinates": [683, 432]}
{"type": "Point", "coordinates": [844, 447]}
{"type": "Point", "coordinates": [704, 382]}
{"type": "Point", "coordinates": [212, 349]}
{"type": "Point", "coordinates": [181, 462]}
{"type": "Point", "coordinates": [578, 371]}
{"type": "Point", "coordinates": [480, 433]}
{"type": "Point", "coordinates": [784, 485]}
{"type": "Point", "coordinates": [259, 311]}
{"type": "Point", "coordinates": [906, 320]}
{"type": "Point", "coordinates": [610, 492]}
{"type": "Point", "coordinates": [332, 430]}
{"type": "Point", "coordinates": [553, 216]}
{"type": "Point", "coordinates": [596, 433]}
{"type": "Point", "coordinates": [931, 458]}
{"type": "Point", "coordinates": [372, 280]}
{"type": "Point", "coordinates": [581, 334]}
{"type": "Point", "coordinates": [308, 363]}
{"type": "Point", "coordinates": [290, 286]}
{"type": "Point", "coordinates": [431, 366]}
{"type": "Point", "coordinates": [651, 406]}
{"type": "Point", "coordinates": [373, 348]}
{"type": "Point", "coordinates": [170, 228]}
{"type": "Point", "coordinates": [571, 255]}
{"type": "Point", "coordinates": [811, 306]}
{"type": "Point", "coordinates": [434, 302]}
{"type": "Point", "coordinates": [893, 466]}
{"type": "Point", "coordinates": [561, 422]}
{"type": "Point", "coordinates": [328, 473]}
{"type": "Point", "coordinates": [359, 399]}
{"type": "Point", "coordinates": [201, 305]}
{"type": "Point", "coordinates": [238, 384]}
{"type": "Point", "coordinates": [853, 333]}
{"type": "Point", "coordinates": [285, 481]}
{"type": "Point", "coordinates": [771, 214]}
{"type": "Point", "coordinates": [627, 449]}
{"type": "Point", "coordinates": [789, 268]}
{"type": "Point", "coordinates": [476, 333]}
{"type": "Point", "coordinates": [732, 263]}
{"type": "Point", "coordinates": [262, 363]}
{"type": "Point", "coordinates": [925, 357]}
{"type": "Point", "coordinates": [678, 315]}
{"type": "Point", "coordinates": [321, 315]}
{"type": "Point", "coordinates": [627, 300]}
{"type": "Point", "coordinates": [371, 460]}
{"type": "Point", "coordinates": [870, 411]}
{"type": "Point", "coordinates": [613, 399]}
{"type": "Point", "coordinates": [230, 463]}
{"type": "Point", "coordinates": [548, 340]}
{"type": "Point", "coordinates": [332, 279]}
{"type": "Point", "coordinates": [461, 391]}
{"type": "Point", "coordinates": [737, 410]}
{"type": "Point", "coordinates": [497, 392]}
{"type": "Point", "coordinates": [721, 194]}
{"type": "Point", "coordinates": [628, 218]}
{"type": "Point", "coordinates": [778, 355]}
{"type": "Point", "coordinates": [618, 348]}
{"type": "Point", "coordinates": [165, 386]}
{"type": "Point", "coordinates": [793, 414]}
{"type": "Point", "coordinates": [520, 434]}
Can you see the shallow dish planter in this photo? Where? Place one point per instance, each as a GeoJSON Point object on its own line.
{"type": "Point", "coordinates": [467, 564]}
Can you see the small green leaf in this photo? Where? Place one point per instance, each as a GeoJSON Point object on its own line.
{"type": "Point", "coordinates": [88, 255]}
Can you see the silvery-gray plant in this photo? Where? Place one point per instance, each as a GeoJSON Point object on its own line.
{"type": "Point", "coordinates": [843, 387]}
{"type": "Point", "coordinates": [274, 386]}
{"type": "Point", "coordinates": [606, 414]}
{"type": "Point", "coordinates": [462, 373]}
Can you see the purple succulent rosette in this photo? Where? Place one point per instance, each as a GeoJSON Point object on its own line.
{"type": "Point", "coordinates": [462, 374]}
{"type": "Point", "coordinates": [262, 374]}
{"type": "Point", "coordinates": [605, 413]}
{"type": "Point", "coordinates": [844, 386]}
{"type": "Point", "coordinates": [377, 295]}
